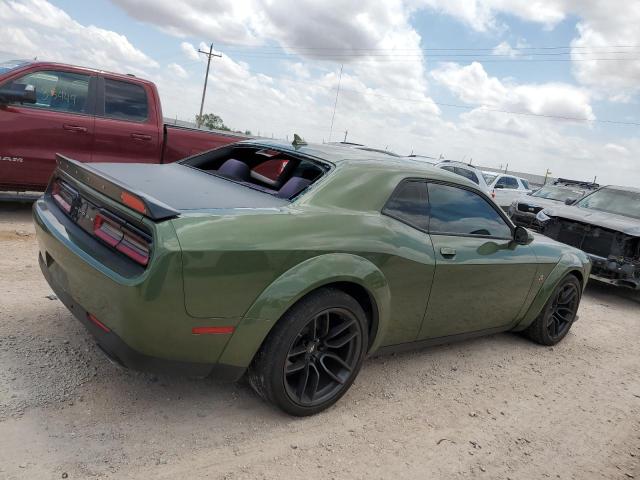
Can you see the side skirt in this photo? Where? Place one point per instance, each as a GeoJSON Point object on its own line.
{"type": "Point", "coordinates": [432, 342]}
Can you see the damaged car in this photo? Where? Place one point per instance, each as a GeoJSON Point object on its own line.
{"type": "Point", "coordinates": [524, 209]}
{"type": "Point", "coordinates": [606, 225]}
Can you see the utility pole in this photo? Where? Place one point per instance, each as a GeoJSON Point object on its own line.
{"type": "Point", "coordinates": [206, 77]}
{"type": "Point", "coordinates": [546, 175]}
{"type": "Point", "coordinates": [336, 103]}
{"type": "Point", "coordinates": [345, 136]}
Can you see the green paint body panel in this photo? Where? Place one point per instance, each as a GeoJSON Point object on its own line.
{"type": "Point", "coordinates": [246, 267]}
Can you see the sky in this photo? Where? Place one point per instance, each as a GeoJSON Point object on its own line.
{"type": "Point", "coordinates": [535, 85]}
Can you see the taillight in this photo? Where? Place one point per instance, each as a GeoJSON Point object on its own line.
{"type": "Point", "coordinates": [122, 238]}
{"type": "Point", "coordinates": [61, 196]}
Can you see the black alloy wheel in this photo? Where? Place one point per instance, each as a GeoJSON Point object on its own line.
{"type": "Point", "coordinates": [563, 310]}
{"type": "Point", "coordinates": [559, 313]}
{"type": "Point", "coordinates": [322, 357]}
{"type": "Point", "coordinates": [313, 354]}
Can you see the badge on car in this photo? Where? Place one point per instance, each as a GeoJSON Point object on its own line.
{"type": "Point", "coordinates": [12, 159]}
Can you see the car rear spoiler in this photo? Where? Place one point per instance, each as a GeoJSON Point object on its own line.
{"type": "Point", "coordinates": [115, 189]}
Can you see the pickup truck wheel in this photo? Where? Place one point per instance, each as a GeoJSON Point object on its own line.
{"type": "Point", "coordinates": [557, 316]}
{"type": "Point", "coordinates": [313, 354]}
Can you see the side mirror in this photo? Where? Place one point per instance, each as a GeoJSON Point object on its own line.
{"type": "Point", "coordinates": [497, 187]}
{"type": "Point", "coordinates": [570, 201]}
{"type": "Point", "coordinates": [521, 235]}
{"type": "Point", "coordinates": [17, 92]}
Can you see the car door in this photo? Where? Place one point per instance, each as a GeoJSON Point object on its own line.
{"type": "Point", "coordinates": [482, 276]}
{"type": "Point", "coordinates": [61, 121]}
{"type": "Point", "coordinates": [410, 273]}
{"type": "Point", "coordinates": [126, 128]}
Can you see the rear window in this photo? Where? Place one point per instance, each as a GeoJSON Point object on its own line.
{"type": "Point", "coordinates": [268, 170]}
{"type": "Point", "coordinates": [125, 101]}
{"type": "Point", "coordinates": [409, 204]}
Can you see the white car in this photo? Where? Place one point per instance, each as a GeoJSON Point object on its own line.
{"type": "Point", "coordinates": [467, 171]}
{"type": "Point", "coordinates": [506, 188]}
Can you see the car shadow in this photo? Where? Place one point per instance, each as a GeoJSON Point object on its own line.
{"type": "Point", "coordinates": [608, 293]}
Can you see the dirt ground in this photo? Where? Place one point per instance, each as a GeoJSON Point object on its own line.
{"type": "Point", "coordinates": [497, 408]}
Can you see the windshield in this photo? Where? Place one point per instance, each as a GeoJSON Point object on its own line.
{"type": "Point", "coordinates": [612, 200]}
{"type": "Point", "coordinates": [489, 177]}
{"type": "Point", "coordinates": [560, 194]}
{"type": "Point", "coordinates": [11, 65]}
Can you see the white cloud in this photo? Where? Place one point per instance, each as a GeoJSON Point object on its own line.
{"type": "Point", "coordinates": [190, 51]}
{"type": "Point", "coordinates": [177, 70]}
{"type": "Point", "coordinates": [473, 85]}
{"type": "Point", "coordinates": [384, 104]}
{"type": "Point", "coordinates": [505, 49]}
{"type": "Point", "coordinates": [603, 27]}
{"type": "Point", "coordinates": [37, 28]}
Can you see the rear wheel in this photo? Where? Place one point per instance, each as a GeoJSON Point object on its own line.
{"type": "Point", "coordinates": [557, 316]}
{"type": "Point", "coordinates": [313, 354]}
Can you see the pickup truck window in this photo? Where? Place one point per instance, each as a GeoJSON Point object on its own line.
{"type": "Point", "coordinates": [508, 182]}
{"type": "Point", "coordinates": [125, 101]}
{"type": "Point", "coordinates": [11, 65]}
{"type": "Point", "coordinates": [59, 91]}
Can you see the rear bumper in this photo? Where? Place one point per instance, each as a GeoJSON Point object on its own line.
{"type": "Point", "coordinates": [149, 329]}
{"type": "Point", "coordinates": [114, 347]}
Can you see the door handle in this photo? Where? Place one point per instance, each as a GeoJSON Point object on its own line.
{"type": "Point", "coordinates": [74, 128]}
{"type": "Point", "coordinates": [448, 252]}
{"type": "Point", "coordinates": [141, 136]}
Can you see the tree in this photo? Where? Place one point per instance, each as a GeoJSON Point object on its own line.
{"type": "Point", "coordinates": [211, 121]}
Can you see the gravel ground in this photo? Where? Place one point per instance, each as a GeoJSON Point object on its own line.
{"type": "Point", "coordinates": [498, 407]}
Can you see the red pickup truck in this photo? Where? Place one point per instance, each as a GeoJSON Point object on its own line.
{"type": "Point", "coordinates": [90, 115]}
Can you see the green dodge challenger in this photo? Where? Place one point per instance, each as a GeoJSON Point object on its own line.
{"type": "Point", "coordinates": [291, 263]}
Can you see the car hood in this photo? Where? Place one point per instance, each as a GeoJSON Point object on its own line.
{"type": "Point", "coordinates": [538, 201]}
{"type": "Point", "coordinates": [620, 223]}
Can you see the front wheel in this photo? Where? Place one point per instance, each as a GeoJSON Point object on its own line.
{"type": "Point", "coordinates": [312, 356]}
{"type": "Point", "coordinates": [557, 316]}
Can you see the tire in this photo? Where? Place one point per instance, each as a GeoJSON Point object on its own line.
{"type": "Point", "coordinates": [559, 313]}
{"type": "Point", "coordinates": [313, 354]}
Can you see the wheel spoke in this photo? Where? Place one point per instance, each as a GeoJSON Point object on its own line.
{"type": "Point", "coordinates": [313, 387]}
{"type": "Point", "coordinates": [341, 341]}
{"type": "Point", "coordinates": [335, 331]}
{"type": "Point", "coordinates": [295, 367]}
{"type": "Point", "coordinates": [567, 296]}
{"type": "Point", "coordinates": [302, 383]}
{"type": "Point", "coordinates": [297, 350]}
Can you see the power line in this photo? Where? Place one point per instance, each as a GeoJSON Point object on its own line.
{"type": "Point", "coordinates": [489, 108]}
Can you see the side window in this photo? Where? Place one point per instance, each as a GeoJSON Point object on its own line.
{"type": "Point", "coordinates": [508, 182]}
{"type": "Point", "coordinates": [125, 101]}
{"type": "Point", "coordinates": [457, 211]}
{"type": "Point", "coordinates": [59, 91]}
{"type": "Point", "coordinates": [409, 204]}
{"type": "Point", "coordinates": [467, 174]}
{"type": "Point", "coordinates": [449, 169]}
{"type": "Point", "coordinates": [525, 184]}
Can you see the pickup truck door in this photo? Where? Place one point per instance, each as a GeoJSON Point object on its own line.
{"type": "Point", "coordinates": [482, 277]}
{"type": "Point", "coordinates": [127, 125]}
{"type": "Point", "coordinates": [61, 121]}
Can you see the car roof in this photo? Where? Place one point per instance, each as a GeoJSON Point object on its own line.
{"type": "Point", "coordinates": [341, 156]}
{"type": "Point", "coordinates": [46, 64]}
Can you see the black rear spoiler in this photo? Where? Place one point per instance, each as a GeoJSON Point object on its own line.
{"type": "Point", "coordinates": [115, 189]}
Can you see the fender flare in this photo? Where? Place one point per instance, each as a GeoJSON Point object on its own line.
{"type": "Point", "coordinates": [569, 263]}
{"type": "Point", "coordinates": [294, 284]}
